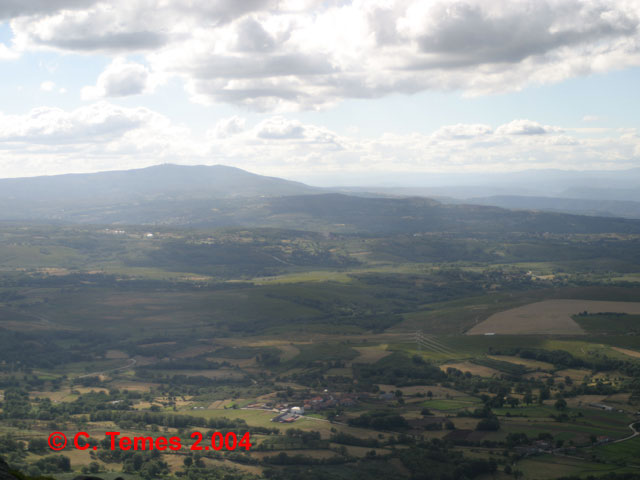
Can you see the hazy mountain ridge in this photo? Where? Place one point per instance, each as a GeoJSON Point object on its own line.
{"type": "Point", "coordinates": [166, 181]}
{"type": "Point", "coordinates": [219, 196]}
{"type": "Point", "coordinates": [581, 206]}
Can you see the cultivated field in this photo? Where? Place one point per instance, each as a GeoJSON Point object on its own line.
{"type": "Point", "coordinates": [548, 317]}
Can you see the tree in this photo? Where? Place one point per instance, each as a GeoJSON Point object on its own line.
{"type": "Point", "coordinates": [513, 402]}
{"type": "Point", "coordinates": [488, 424]}
{"type": "Point", "coordinates": [545, 394]}
{"type": "Point", "coordinates": [561, 404]}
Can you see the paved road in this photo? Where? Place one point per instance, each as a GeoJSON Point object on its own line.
{"type": "Point", "coordinates": [633, 435]}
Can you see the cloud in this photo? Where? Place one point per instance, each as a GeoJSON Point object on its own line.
{"type": "Point", "coordinates": [227, 127]}
{"type": "Point", "coordinates": [122, 26]}
{"type": "Point", "coordinates": [6, 53]}
{"type": "Point", "coordinates": [95, 137]}
{"type": "Point", "coordinates": [17, 8]}
{"type": "Point", "coordinates": [103, 27]}
{"type": "Point", "coordinates": [119, 79]}
{"type": "Point", "coordinates": [279, 128]}
{"type": "Point", "coordinates": [525, 127]}
{"type": "Point", "coordinates": [281, 146]}
{"type": "Point", "coordinates": [478, 32]}
{"type": "Point", "coordinates": [299, 54]}
{"type": "Point", "coordinates": [105, 136]}
{"type": "Point", "coordinates": [590, 118]}
{"type": "Point", "coordinates": [95, 123]}
{"type": "Point", "coordinates": [47, 86]}
{"type": "Point", "coordinates": [463, 131]}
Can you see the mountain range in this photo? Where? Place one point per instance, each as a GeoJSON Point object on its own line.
{"type": "Point", "coordinates": [221, 196]}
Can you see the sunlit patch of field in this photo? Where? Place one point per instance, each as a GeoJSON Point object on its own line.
{"type": "Point", "coordinates": [575, 374]}
{"type": "Point", "coordinates": [626, 351]}
{"type": "Point", "coordinates": [175, 462]}
{"type": "Point", "coordinates": [474, 369]}
{"type": "Point", "coordinates": [464, 423]}
{"type": "Point", "coordinates": [288, 352]}
{"type": "Point", "coordinates": [628, 277]}
{"type": "Point", "coordinates": [371, 354]}
{"type": "Point", "coordinates": [548, 317]}
{"type": "Point", "coordinates": [219, 404]}
{"type": "Point", "coordinates": [548, 466]}
{"type": "Point", "coordinates": [315, 276]}
{"type": "Point", "coordinates": [584, 400]}
{"type": "Point", "coordinates": [214, 374]}
{"type": "Point", "coordinates": [532, 364]}
{"type": "Point", "coordinates": [115, 355]}
{"type": "Point", "coordinates": [134, 386]}
{"type": "Point", "coordinates": [55, 397]}
{"type": "Point", "coordinates": [582, 349]}
{"type": "Point", "coordinates": [251, 469]}
{"type": "Point", "coordinates": [262, 418]}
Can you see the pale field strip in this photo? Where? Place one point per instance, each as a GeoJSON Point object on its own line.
{"type": "Point", "coordinates": [551, 317]}
{"type": "Point", "coordinates": [626, 351]}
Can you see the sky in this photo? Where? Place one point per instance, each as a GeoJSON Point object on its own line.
{"type": "Point", "coordinates": [325, 92]}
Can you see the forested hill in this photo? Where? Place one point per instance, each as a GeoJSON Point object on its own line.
{"type": "Point", "coordinates": [27, 196]}
{"type": "Point", "coordinates": [219, 196]}
{"type": "Point", "coordinates": [381, 215]}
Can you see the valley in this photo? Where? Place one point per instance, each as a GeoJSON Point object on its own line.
{"type": "Point", "coordinates": [164, 331]}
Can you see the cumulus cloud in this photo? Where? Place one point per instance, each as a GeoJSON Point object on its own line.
{"type": "Point", "coordinates": [107, 136]}
{"type": "Point", "coordinates": [525, 127]}
{"type": "Point", "coordinates": [292, 148]}
{"type": "Point", "coordinates": [94, 123]}
{"type": "Point", "coordinates": [120, 79]}
{"type": "Point", "coordinates": [299, 54]}
{"type": "Point", "coordinates": [100, 136]}
{"type": "Point", "coordinates": [47, 86]}
{"type": "Point", "coordinates": [280, 128]}
{"type": "Point", "coordinates": [463, 131]}
{"type": "Point", "coordinates": [120, 26]}
{"type": "Point", "coordinates": [17, 8]}
{"type": "Point", "coordinates": [227, 127]}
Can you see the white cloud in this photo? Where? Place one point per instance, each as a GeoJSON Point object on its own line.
{"type": "Point", "coordinates": [293, 149]}
{"type": "Point", "coordinates": [6, 53]}
{"type": "Point", "coordinates": [525, 127]}
{"type": "Point", "coordinates": [47, 86]}
{"type": "Point", "coordinates": [106, 136]}
{"type": "Point", "coordinates": [227, 127]}
{"type": "Point", "coordinates": [120, 79]}
{"type": "Point", "coordinates": [590, 118]}
{"type": "Point", "coordinates": [300, 54]}
{"type": "Point", "coordinates": [17, 8]}
{"type": "Point", "coordinates": [463, 131]}
{"type": "Point", "coordinates": [279, 128]}
{"type": "Point", "coordinates": [95, 137]}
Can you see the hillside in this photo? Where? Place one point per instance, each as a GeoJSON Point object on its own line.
{"type": "Point", "coordinates": [219, 196]}
{"type": "Point", "coordinates": [64, 196]}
